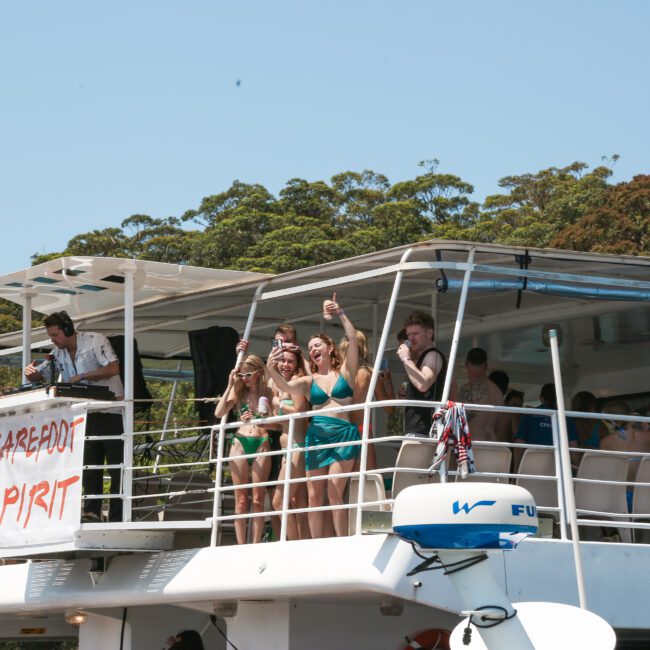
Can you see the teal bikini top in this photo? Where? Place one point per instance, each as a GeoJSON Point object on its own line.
{"type": "Point", "coordinates": [340, 390]}
{"type": "Point", "coordinates": [286, 402]}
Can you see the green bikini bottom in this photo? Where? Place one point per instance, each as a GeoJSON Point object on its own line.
{"type": "Point", "coordinates": [251, 444]}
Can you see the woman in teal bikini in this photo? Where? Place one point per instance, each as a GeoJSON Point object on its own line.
{"type": "Point", "coordinates": [331, 384]}
{"type": "Point", "coordinates": [246, 385]}
{"type": "Point", "coordinates": [291, 366]}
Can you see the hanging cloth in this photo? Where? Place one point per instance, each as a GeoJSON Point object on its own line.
{"type": "Point", "coordinates": [454, 434]}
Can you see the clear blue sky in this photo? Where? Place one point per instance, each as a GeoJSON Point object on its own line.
{"type": "Point", "coordinates": [131, 106]}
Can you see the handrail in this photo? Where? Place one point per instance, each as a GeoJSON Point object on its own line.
{"type": "Point", "coordinates": [219, 489]}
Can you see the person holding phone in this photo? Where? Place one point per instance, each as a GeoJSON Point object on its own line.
{"type": "Point", "coordinates": [287, 335]}
{"type": "Point", "coordinates": [284, 403]}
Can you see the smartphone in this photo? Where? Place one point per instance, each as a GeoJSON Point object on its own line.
{"type": "Point", "coordinates": [383, 365]}
{"type": "Point", "coordinates": [277, 343]}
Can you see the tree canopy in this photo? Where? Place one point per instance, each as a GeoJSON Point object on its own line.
{"type": "Point", "coordinates": [246, 227]}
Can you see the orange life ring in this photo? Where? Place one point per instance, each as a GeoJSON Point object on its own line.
{"type": "Point", "coordinates": [429, 640]}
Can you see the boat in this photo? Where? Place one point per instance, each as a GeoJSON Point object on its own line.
{"type": "Point", "coordinates": [173, 563]}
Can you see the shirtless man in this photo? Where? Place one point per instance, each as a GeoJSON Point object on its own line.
{"type": "Point", "coordinates": [425, 368]}
{"type": "Point", "coordinates": [479, 389]}
{"type": "Point", "coordinates": [627, 436]}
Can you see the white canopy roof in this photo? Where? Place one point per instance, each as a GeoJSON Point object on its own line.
{"type": "Point", "coordinates": [171, 300]}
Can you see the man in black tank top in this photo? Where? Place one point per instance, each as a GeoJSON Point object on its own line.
{"type": "Point", "coordinates": [425, 368]}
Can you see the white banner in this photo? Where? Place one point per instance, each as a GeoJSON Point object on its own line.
{"type": "Point", "coordinates": [41, 456]}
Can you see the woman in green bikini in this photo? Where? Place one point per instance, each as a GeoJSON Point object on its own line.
{"type": "Point", "coordinates": [331, 384]}
{"type": "Point", "coordinates": [247, 385]}
{"type": "Point", "coordinates": [290, 367]}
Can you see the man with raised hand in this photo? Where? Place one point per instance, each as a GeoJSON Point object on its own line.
{"type": "Point", "coordinates": [425, 368]}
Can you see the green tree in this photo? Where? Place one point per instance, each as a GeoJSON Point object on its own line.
{"type": "Point", "coordinates": [239, 197]}
{"type": "Point", "coordinates": [442, 198]}
{"type": "Point", "coordinates": [359, 194]}
{"type": "Point", "coordinates": [620, 224]}
{"type": "Point", "coordinates": [538, 206]}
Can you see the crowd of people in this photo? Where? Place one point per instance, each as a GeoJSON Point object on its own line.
{"type": "Point", "coordinates": [325, 448]}
{"type": "Point", "coordinates": [335, 374]}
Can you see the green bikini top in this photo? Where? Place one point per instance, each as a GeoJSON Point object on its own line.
{"type": "Point", "coordinates": [340, 390]}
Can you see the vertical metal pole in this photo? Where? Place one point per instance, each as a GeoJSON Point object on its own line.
{"type": "Point", "coordinates": [218, 496]}
{"type": "Point", "coordinates": [566, 468]}
{"type": "Point", "coordinates": [27, 331]}
{"type": "Point", "coordinates": [127, 472]}
{"type": "Point", "coordinates": [216, 504]}
{"type": "Point", "coordinates": [373, 383]}
{"type": "Point", "coordinates": [375, 318]}
{"type": "Point", "coordinates": [287, 478]}
{"type": "Point", "coordinates": [251, 317]}
{"type": "Point", "coordinates": [457, 328]}
{"type": "Point", "coordinates": [561, 501]}
{"type": "Point", "coordinates": [454, 348]}
{"type": "Point", "coordinates": [168, 415]}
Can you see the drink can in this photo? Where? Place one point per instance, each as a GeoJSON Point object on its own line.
{"type": "Point", "coordinates": [263, 405]}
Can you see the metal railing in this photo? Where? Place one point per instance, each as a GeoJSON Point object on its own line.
{"type": "Point", "coordinates": [214, 464]}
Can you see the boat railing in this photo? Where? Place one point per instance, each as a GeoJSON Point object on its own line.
{"type": "Point", "coordinates": [210, 491]}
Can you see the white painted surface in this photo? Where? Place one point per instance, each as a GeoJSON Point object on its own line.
{"type": "Point", "coordinates": [551, 626]}
{"type": "Point", "coordinates": [364, 567]}
{"type": "Point", "coordinates": [261, 624]}
{"type": "Point", "coordinates": [329, 626]}
{"type": "Point", "coordinates": [104, 633]}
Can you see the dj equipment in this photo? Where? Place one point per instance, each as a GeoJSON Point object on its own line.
{"type": "Point", "coordinates": [63, 389]}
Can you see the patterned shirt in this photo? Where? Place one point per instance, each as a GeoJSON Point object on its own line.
{"type": "Point", "coordinates": [93, 351]}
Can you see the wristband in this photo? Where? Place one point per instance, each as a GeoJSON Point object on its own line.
{"type": "Point", "coordinates": [341, 312]}
{"type": "Point", "coordinates": [82, 376]}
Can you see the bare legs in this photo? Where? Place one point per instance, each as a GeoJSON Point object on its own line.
{"type": "Point", "coordinates": [241, 473]}
{"type": "Point", "coordinates": [297, 525]}
{"type": "Point", "coordinates": [335, 486]}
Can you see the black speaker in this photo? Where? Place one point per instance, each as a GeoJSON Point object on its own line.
{"type": "Point", "coordinates": [67, 326]}
{"type": "Point", "coordinates": [140, 389]}
{"type": "Point", "coordinates": [213, 356]}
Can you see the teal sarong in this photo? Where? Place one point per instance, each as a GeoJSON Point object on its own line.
{"type": "Point", "coordinates": [324, 430]}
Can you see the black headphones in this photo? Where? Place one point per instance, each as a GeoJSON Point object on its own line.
{"type": "Point", "coordinates": [67, 326]}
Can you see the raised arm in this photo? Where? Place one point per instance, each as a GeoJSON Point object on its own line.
{"type": "Point", "coordinates": [351, 361]}
{"type": "Point", "coordinates": [422, 378]}
{"type": "Point", "coordinates": [227, 400]}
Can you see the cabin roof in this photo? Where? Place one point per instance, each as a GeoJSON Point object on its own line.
{"type": "Point", "coordinates": [171, 300]}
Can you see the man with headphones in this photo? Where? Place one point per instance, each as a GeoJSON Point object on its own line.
{"type": "Point", "coordinates": [88, 358]}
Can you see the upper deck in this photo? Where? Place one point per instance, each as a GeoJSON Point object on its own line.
{"type": "Point", "coordinates": [499, 298]}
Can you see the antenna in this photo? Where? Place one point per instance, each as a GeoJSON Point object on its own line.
{"type": "Point", "coordinates": [459, 524]}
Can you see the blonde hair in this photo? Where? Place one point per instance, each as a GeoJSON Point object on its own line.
{"type": "Point", "coordinates": [362, 344]}
{"type": "Point", "coordinates": [254, 362]}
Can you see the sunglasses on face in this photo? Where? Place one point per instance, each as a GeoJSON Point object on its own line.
{"type": "Point", "coordinates": [245, 375]}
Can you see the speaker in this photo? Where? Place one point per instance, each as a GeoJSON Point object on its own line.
{"type": "Point", "coordinates": [67, 326]}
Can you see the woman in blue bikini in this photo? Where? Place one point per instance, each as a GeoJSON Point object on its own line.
{"type": "Point", "coordinates": [331, 384]}
{"type": "Point", "coordinates": [284, 403]}
{"type": "Point", "coordinates": [246, 385]}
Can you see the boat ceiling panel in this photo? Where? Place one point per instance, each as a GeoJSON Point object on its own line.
{"type": "Point", "coordinates": [84, 286]}
{"type": "Point", "coordinates": [512, 333]}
